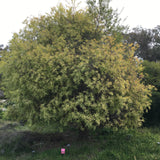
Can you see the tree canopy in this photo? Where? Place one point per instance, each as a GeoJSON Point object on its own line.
{"type": "Point", "coordinates": [62, 69]}
{"type": "Point", "coordinates": [148, 41]}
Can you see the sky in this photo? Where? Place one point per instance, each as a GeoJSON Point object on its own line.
{"type": "Point", "coordinates": [144, 13]}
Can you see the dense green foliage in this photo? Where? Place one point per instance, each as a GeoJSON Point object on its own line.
{"type": "Point", "coordinates": [149, 50]}
{"type": "Point", "coordinates": [151, 69]}
{"type": "Point", "coordinates": [152, 77]}
{"type": "Point", "coordinates": [62, 69]}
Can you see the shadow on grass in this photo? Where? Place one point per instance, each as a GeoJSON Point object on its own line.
{"type": "Point", "coordinates": [103, 144]}
{"type": "Point", "coordinates": [15, 140]}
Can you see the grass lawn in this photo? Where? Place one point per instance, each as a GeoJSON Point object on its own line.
{"type": "Point", "coordinates": [18, 143]}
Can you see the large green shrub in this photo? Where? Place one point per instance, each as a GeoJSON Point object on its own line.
{"type": "Point", "coordinates": [58, 71]}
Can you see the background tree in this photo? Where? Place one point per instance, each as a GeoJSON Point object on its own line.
{"type": "Point", "coordinates": [156, 43]}
{"type": "Point", "coordinates": [1, 46]}
{"type": "Point", "coordinates": [148, 41]}
{"type": "Point", "coordinates": [58, 72]}
{"type": "Point", "coordinates": [149, 50]}
{"type": "Point", "coordinates": [2, 50]}
{"type": "Point", "coordinates": [106, 19]}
